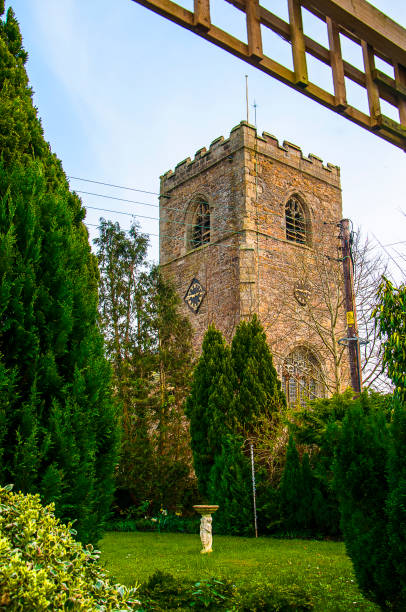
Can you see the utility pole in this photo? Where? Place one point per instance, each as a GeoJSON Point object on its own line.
{"type": "Point", "coordinates": [352, 330]}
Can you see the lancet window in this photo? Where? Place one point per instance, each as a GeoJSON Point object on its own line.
{"type": "Point", "coordinates": [200, 230]}
{"type": "Point", "coordinates": [297, 224]}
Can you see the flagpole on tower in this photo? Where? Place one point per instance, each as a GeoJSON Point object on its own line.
{"type": "Point", "coordinates": [246, 96]}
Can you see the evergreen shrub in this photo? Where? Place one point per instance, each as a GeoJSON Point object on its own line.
{"type": "Point", "coordinates": [42, 567]}
{"type": "Point", "coordinates": [370, 480]}
{"type": "Point", "coordinates": [58, 420]}
{"type": "Point", "coordinates": [165, 592]}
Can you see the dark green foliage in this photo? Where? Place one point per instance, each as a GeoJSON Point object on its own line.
{"type": "Point", "coordinates": [232, 392]}
{"type": "Point", "coordinates": [210, 404]}
{"type": "Point", "coordinates": [290, 487]}
{"type": "Point", "coordinates": [396, 502]}
{"type": "Point", "coordinates": [149, 346]}
{"type": "Point", "coordinates": [164, 592]}
{"type": "Point", "coordinates": [258, 390]}
{"type": "Point", "coordinates": [296, 491]}
{"type": "Point", "coordinates": [281, 598]}
{"type": "Point", "coordinates": [21, 134]}
{"type": "Point", "coordinates": [58, 418]}
{"type": "Point", "coordinates": [362, 489]}
{"type": "Point", "coordinates": [170, 523]}
{"type": "Point", "coordinates": [58, 432]}
{"type": "Point", "coordinates": [230, 488]}
{"type": "Point", "coordinates": [317, 428]}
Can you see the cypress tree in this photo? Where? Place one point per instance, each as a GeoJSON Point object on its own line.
{"type": "Point", "coordinates": [362, 489]}
{"type": "Point", "coordinates": [306, 518]}
{"type": "Point", "coordinates": [58, 430]}
{"type": "Point", "coordinates": [396, 506]}
{"type": "Point", "coordinates": [258, 389]}
{"type": "Point", "coordinates": [291, 489]}
{"type": "Point", "coordinates": [209, 405]}
{"type": "Point", "coordinates": [230, 488]}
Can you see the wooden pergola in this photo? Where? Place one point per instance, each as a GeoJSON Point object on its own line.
{"type": "Point", "coordinates": [377, 34]}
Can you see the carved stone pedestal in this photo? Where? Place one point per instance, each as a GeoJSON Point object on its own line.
{"type": "Point", "coordinates": [205, 527]}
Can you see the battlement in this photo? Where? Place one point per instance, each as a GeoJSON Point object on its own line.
{"type": "Point", "coordinates": [245, 135]}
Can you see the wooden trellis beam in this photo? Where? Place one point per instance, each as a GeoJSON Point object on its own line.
{"type": "Point", "coordinates": [377, 35]}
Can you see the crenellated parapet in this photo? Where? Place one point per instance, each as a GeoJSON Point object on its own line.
{"type": "Point", "coordinates": [244, 136]}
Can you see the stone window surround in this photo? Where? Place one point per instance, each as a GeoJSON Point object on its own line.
{"type": "Point", "coordinates": [295, 194]}
{"type": "Point", "coordinates": [314, 361]}
{"type": "Point", "coordinates": [189, 219]}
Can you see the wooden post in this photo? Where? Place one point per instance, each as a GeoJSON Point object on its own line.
{"type": "Point", "coordinates": [254, 29]}
{"type": "Point", "coordinates": [400, 78]}
{"type": "Point", "coordinates": [372, 87]}
{"type": "Point", "coordinates": [298, 43]}
{"type": "Point", "coordinates": [352, 331]}
{"type": "Point", "coordinates": [202, 14]}
{"type": "Point", "coordinates": [337, 66]}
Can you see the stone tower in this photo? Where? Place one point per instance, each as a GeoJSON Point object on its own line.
{"type": "Point", "coordinates": [250, 226]}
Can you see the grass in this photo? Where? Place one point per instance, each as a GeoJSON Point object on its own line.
{"type": "Point", "coordinates": [321, 567]}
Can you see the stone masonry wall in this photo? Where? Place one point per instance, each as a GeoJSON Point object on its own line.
{"type": "Point", "coordinates": [249, 266]}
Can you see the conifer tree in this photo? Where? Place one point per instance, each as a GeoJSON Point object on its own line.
{"type": "Point", "coordinates": [58, 431]}
{"type": "Point", "coordinates": [173, 362]}
{"type": "Point", "coordinates": [306, 517]}
{"type": "Point", "coordinates": [210, 404]}
{"type": "Point", "coordinates": [258, 390]}
{"type": "Point", "coordinates": [396, 506]}
{"type": "Point", "coordinates": [362, 489]}
{"type": "Point", "coordinates": [291, 488]}
{"type": "Point", "coordinates": [230, 488]}
{"type": "Point", "coordinates": [149, 345]}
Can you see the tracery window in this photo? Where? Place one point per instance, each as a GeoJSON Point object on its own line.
{"type": "Point", "coordinates": [297, 227]}
{"type": "Point", "coordinates": [200, 230]}
{"type": "Point", "coordinates": [302, 377]}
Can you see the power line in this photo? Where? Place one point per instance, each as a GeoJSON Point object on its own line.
{"type": "Point", "coordinates": [181, 238]}
{"type": "Point", "coordinates": [119, 212]}
{"type": "Point", "coordinates": [108, 197]}
{"type": "Point", "coordinates": [77, 178]}
{"type": "Point", "coordinates": [129, 214]}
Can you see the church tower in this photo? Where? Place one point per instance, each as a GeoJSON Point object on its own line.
{"type": "Point", "coordinates": [250, 226]}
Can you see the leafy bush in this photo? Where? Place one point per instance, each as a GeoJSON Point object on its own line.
{"type": "Point", "coordinates": [263, 598]}
{"type": "Point", "coordinates": [169, 522]}
{"type": "Point", "coordinates": [43, 568]}
{"type": "Point", "coordinates": [164, 592]}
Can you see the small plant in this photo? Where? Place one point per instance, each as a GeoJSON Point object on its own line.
{"type": "Point", "coordinates": [263, 598]}
{"type": "Point", "coordinates": [211, 594]}
{"type": "Point", "coordinates": [164, 592]}
{"type": "Point", "coordinates": [43, 568]}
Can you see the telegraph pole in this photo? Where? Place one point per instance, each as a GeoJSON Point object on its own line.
{"type": "Point", "coordinates": [352, 331]}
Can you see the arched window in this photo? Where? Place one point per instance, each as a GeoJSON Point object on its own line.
{"type": "Point", "coordinates": [302, 378]}
{"type": "Point", "coordinates": [200, 224]}
{"type": "Point", "coordinates": [297, 225]}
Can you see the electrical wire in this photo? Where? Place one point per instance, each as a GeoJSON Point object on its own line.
{"type": "Point", "coordinates": [77, 178]}
{"type": "Point", "coordinates": [108, 197]}
{"type": "Point", "coordinates": [119, 212]}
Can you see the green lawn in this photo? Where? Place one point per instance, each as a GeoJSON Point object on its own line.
{"type": "Point", "coordinates": [321, 566]}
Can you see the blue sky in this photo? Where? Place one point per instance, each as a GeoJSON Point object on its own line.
{"type": "Point", "coordinates": [124, 95]}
